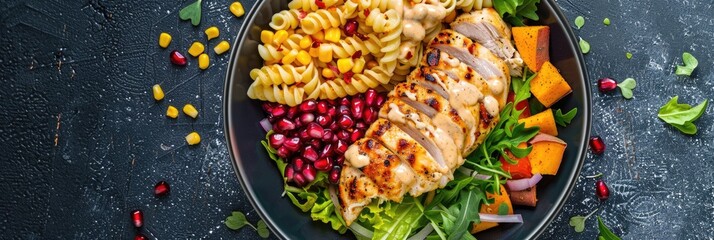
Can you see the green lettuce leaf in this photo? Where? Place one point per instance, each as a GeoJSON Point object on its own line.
{"type": "Point", "coordinates": [398, 221]}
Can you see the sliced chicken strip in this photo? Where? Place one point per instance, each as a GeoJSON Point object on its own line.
{"type": "Point", "coordinates": [355, 191]}
{"type": "Point", "coordinates": [391, 175]}
{"type": "Point", "coordinates": [399, 112]}
{"type": "Point", "coordinates": [487, 28]}
{"type": "Point", "coordinates": [446, 117]}
{"type": "Point", "coordinates": [427, 170]}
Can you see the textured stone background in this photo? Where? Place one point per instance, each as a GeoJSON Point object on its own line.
{"type": "Point", "coordinates": [79, 73]}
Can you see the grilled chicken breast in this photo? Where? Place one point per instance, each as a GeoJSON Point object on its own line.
{"type": "Point", "coordinates": [486, 27]}
{"type": "Point", "coordinates": [443, 112]}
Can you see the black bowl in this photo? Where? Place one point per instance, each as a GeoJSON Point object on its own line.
{"type": "Point", "coordinates": [261, 180]}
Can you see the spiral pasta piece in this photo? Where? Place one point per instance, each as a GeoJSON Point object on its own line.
{"type": "Point", "coordinates": [283, 94]}
{"type": "Point", "coordinates": [311, 5]}
{"type": "Point", "coordinates": [277, 74]}
{"type": "Point", "coordinates": [383, 22]}
{"type": "Point", "coordinates": [286, 19]}
{"type": "Point", "coordinates": [327, 18]}
{"type": "Point", "coordinates": [469, 5]}
{"type": "Point", "coordinates": [348, 46]}
{"type": "Point", "coordinates": [269, 53]}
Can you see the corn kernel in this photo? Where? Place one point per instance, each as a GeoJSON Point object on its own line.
{"type": "Point", "coordinates": [304, 58]}
{"type": "Point", "coordinates": [333, 34]}
{"type": "Point", "coordinates": [189, 110]}
{"type": "Point", "coordinates": [212, 32]}
{"type": "Point", "coordinates": [164, 40]}
{"type": "Point", "coordinates": [193, 138]}
{"type": "Point", "coordinates": [237, 9]}
{"type": "Point", "coordinates": [290, 57]}
{"type": "Point", "coordinates": [222, 47]}
{"type": "Point", "coordinates": [203, 61]}
{"type": "Point", "coordinates": [172, 112]}
{"type": "Point", "coordinates": [328, 73]}
{"type": "Point", "coordinates": [158, 92]}
{"type": "Point", "coordinates": [314, 52]}
{"type": "Point", "coordinates": [196, 49]}
{"type": "Point", "coordinates": [318, 36]}
{"type": "Point", "coordinates": [325, 53]}
{"type": "Point", "coordinates": [345, 64]}
{"type": "Point", "coordinates": [359, 66]}
{"type": "Point", "coordinates": [266, 36]}
{"type": "Point", "coordinates": [280, 37]}
{"type": "Point", "coordinates": [305, 42]}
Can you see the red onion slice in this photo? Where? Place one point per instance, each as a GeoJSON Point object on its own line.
{"type": "Point", "coordinates": [542, 137]}
{"type": "Point", "coordinates": [523, 184]}
{"type": "Point", "coordinates": [265, 123]}
{"type": "Point", "coordinates": [512, 218]}
{"type": "Point", "coordinates": [359, 229]}
{"type": "Point", "coordinates": [473, 173]}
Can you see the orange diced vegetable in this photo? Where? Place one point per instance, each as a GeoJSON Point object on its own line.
{"type": "Point", "coordinates": [524, 198]}
{"type": "Point", "coordinates": [532, 43]}
{"type": "Point", "coordinates": [546, 157]}
{"type": "Point", "coordinates": [544, 120]}
{"type": "Point", "coordinates": [548, 86]}
{"type": "Point", "coordinates": [498, 199]}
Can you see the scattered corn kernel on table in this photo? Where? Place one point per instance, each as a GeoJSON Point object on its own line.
{"type": "Point", "coordinates": [84, 143]}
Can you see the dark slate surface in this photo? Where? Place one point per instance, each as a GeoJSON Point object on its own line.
{"type": "Point", "coordinates": [83, 141]}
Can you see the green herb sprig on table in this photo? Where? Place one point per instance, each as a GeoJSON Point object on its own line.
{"type": "Point", "coordinates": [517, 11]}
{"type": "Point", "coordinates": [579, 22]}
{"type": "Point", "coordinates": [626, 87]}
{"type": "Point", "coordinates": [237, 220]}
{"type": "Point", "coordinates": [690, 63]}
{"type": "Point", "coordinates": [578, 222]}
{"type": "Point", "coordinates": [193, 12]}
{"type": "Point", "coordinates": [681, 116]}
{"type": "Point", "coordinates": [605, 233]}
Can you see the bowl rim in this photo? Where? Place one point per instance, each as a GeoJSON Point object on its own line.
{"type": "Point", "coordinates": [551, 214]}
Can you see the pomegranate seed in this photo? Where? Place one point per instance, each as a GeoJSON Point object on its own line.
{"type": "Point", "coordinates": [334, 176]}
{"type": "Point", "coordinates": [302, 14]}
{"type": "Point", "coordinates": [309, 173]}
{"type": "Point", "coordinates": [309, 153]}
{"type": "Point", "coordinates": [357, 108]}
{"type": "Point", "coordinates": [137, 218]}
{"type": "Point", "coordinates": [340, 160]}
{"type": "Point", "coordinates": [369, 115]}
{"type": "Point", "coordinates": [327, 135]}
{"type": "Point", "coordinates": [606, 85]}
{"type": "Point", "coordinates": [366, 12]}
{"type": "Point", "coordinates": [292, 112]}
{"type": "Point", "coordinates": [334, 126]}
{"type": "Point", "coordinates": [161, 189]}
{"type": "Point", "coordinates": [299, 180]}
{"type": "Point", "coordinates": [348, 77]}
{"type": "Point", "coordinates": [283, 152]}
{"type": "Point", "coordinates": [320, 4]}
{"type": "Point", "coordinates": [357, 54]}
{"type": "Point", "coordinates": [324, 120]}
{"type": "Point", "coordinates": [361, 125]}
{"type": "Point", "coordinates": [334, 138]}
{"type": "Point", "coordinates": [322, 107]}
{"type": "Point", "coordinates": [341, 147]}
{"type": "Point", "coordinates": [344, 110]}
{"type": "Point", "coordinates": [292, 144]}
{"type": "Point", "coordinates": [343, 135]}
{"type": "Point", "coordinates": [140, 236]}
{"type": "Point", "coordinates": [345, 102]}
{"type": "Point", "coordinates": [380, 100]}
{"type": "Point", "coordinates": [332, 111]}
{"type": "Point", "coordinates": [285, 125]}
{"type": "Point", "coordinates": [356, 135]}
{"type": "Point", "coordinates": [597, 146]}
{"type": "Point", "coordinates": [177, 58]}
{"type": "Point", "coordinates": [278, 111]}
{"type": "Point", "coordinates": [276, 140]}
{"type": "Point", "coordinates": [306, 118]}
{"type": "Point", "coordinates": [327, 150]}
{"type": "Point", "coordinates": [304, 135]}
{"type": "Point", "coordinates": [316, 143]}
{"type": "Point", "coordinates": [323, 164]}
{"type": "Point", "coordinates": [298, 164]}
{"type": "Point", "coordinates": [308, 106]}
{"type": "Point", "coordinates": [369, 96]}
{"type": "Point", "coordinates": [289, 173]}
{"type": "Point", "coordinates": [345, 122]}
{"type": "Point", "coordinates": [351, 27]}
{"type": "Point", "coordinates": [268, 106]}
{"type": "Point", "coordinates": [601, 190]}
{"type": "Point", "coordinates": [315, 130]}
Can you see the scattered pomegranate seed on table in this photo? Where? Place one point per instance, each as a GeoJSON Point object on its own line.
{"type": "Point", "coordinates": [177, 58]}
{"type": "Point", "coordinates": [137, 218]}
{"type": "Point", "coordinates": [601, 190]}
{"type": "Point", "coordinates": [597, 146]}
{"type": "Point", "coordinates": [161, 189]}
{"type": "Point", "coordinates": [606, 85]}
{"type": "Point", "coordinates": [140, 236]}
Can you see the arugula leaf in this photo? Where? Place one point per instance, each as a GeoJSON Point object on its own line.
{"type": "Point", "coordinates": [681, 116]}
{"type": "Point", "coordinates": [236, 221]}
{"type": "Point", "coordinates": [626, 87]}
{"type": "Point", "coordinates": [467, 213]}
{"type": "Point", "coordinates": [579, 22]}
{"type": "Point", "coordinates": [309, 198]}
{"type": "Point", "coordinates": [193, 12]}
{"type": "Point", "coordinates": [565, 119]}
{"type": "Point", "coordinates": [690, 63]}
{"type": "Point", "coordinates": [584, 46]}
{"type": "Point", "coordinates": [605, 233]}
{"type": "Point", "coordinates": [516, 11]}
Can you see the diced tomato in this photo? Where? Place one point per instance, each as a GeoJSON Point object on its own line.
{"type": "Point", "coordinates": [522, 169]}
{"type": "Point", "coordinates": [523, 105]}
